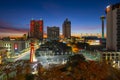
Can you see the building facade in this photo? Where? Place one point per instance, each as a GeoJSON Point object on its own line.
{"type": "Point", "coordinates": [3, 55]}
{"type": "Point", "coordinates": [14, 47]}
{"type": "Point", "coordinates": [66, 28]}
{"type": "Point", "coordinates": [113, 27]}
{"type": "Point", "coordinates": [53, 33]}
{"type": "Point", "coordinates": [112, 58]}
{"type": "Point", "coordinates": [36, 29]}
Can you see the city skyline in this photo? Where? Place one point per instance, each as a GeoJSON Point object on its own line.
{"type": "Point", "coordinates": [84, 15]}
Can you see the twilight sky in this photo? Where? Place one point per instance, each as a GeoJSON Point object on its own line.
{"type": "Point", "coordinates": [15, 15]}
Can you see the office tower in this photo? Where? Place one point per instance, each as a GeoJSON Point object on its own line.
{"type": "Point", "coordinates": [36, 29]}
{"type": "Point", "coordinates": [66, 27]}
{"type": "Point", "coordinates": [113, 27]}
{"type": "Point", "coordinates": [102, 19]}
{"type": "Point", "coordinates": [53, 33]}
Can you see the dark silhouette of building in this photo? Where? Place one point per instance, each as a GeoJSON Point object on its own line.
{"type": "Point", "coordinates": [113, 27]}
{"type": "Point", "coordinates": [36, 29]}
{"type": "Point", "coordinates": [53, 33]}
{"type": "Point", "coordinates": [66, 27]}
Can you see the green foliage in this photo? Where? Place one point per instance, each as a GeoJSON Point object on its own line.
{"type": "Point", "coordinates": [76, 58]}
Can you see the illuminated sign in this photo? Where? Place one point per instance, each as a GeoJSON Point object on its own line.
{"type": "Point", "coordinates": [15, 46]}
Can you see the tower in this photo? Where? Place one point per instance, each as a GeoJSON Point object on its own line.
{"type": "Point", "coordinates": [66, 28]}
{"type": "Point", "coordinates": [32, 52]}
{"type": "Point", "coordinates": [36, 29]}
{"type": "Point", "coordinates": [102, 19]}
{"type": "Point", "coordinates": [113, 27]}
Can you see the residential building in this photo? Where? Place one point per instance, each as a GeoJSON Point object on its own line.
{"type": "Point", "coordinates": [112, 58]}
{"type": "Point", "coordinates": [113, 27]}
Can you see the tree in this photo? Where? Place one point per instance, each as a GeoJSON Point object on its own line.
{"type": "Point", "coordinates": [29, 76]}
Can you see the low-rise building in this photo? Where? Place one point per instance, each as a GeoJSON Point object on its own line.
{"type": "Point", "coordinates": [14, 46]}
{"type": "Point", "coordinates": [112, 58]}
{"type": "Point", "coordinates": [3, 55]}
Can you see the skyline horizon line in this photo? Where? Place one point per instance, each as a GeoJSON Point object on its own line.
{"type": "Point", "coordinates": [10, 29]}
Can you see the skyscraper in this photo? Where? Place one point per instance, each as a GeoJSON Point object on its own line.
{"type": "Point", "coordinates": [36, 29]}
{"type": "Point", "coordinates": [53, 33]}
{"type": "Point", "coordinates": [113, 27]}
{"type": "Point", "coordinates": [66, 28]}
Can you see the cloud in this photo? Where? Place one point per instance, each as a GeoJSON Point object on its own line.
{"type": "Point", "coordinates": [8, 29]}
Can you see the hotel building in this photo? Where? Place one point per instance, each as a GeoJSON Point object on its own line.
{"type": "Point", "coordinates": [113, 27]}
{"type": "Point", "coordinates": [36, 29]}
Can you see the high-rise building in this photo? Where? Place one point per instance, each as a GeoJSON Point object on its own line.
{"type": "Point", "coordinates": [36, 29]}
{"type": "Point", "coordinates": [53, 33]}
{"type": "Point", "coordinates": [113, 27]}
{"type": "Point", "coordinates": [66, 27]}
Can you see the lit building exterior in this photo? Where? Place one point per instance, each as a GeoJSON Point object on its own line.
{"type": "Point", "coordinates": [112, 58]}
{"type": "Point", "coordinates": [53, 33]}
{"type": "Point", "coordinates": [36, 29]}
{"type": "Point", "coordinates": [46, 56]}
{"type": "Point", "coordinates": [14, 46]}
{"type": "Point", "coordinates": [92, 40]}
{"type": "Point", "coordinates": [32, 52]}
{"type": "Point", "coordinates": [66, 28]}
{"type": "Point", "coordinates": [3, 55]}
{"type": "Point", "coordinates": [113, 27]}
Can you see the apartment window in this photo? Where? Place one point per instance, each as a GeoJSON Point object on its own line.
{"type": "Point", "coordinates": [104, 54]}
{"type": "Point", "coordinates": [112, 54]}
{"type": "Point", "coordinates": [116, 54]}
{"type": "Point", "coordinates": [108, 54]}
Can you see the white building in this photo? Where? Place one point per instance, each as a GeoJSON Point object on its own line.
{"type": "Point", "coordinates": [113, 27]}
{"type": "Point", "coordinates": [112, 58]}
{"type": "Point", "coordinates": [14, 46]}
